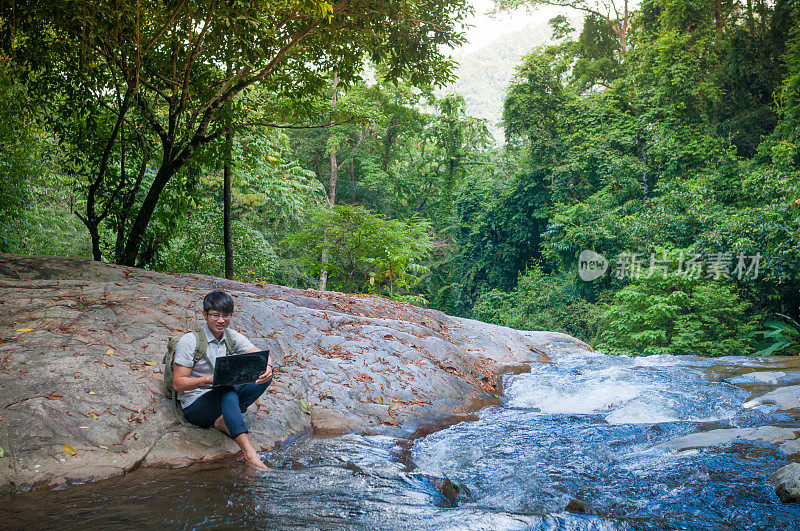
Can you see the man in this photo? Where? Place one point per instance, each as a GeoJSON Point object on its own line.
{"type": "Point", "coordinates": [221, 407]}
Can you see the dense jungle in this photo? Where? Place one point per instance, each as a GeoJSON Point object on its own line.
{"type": "Point", "coordinates": [311, 144]}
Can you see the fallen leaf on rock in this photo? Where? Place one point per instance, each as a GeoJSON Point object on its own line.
{"type": "Point", "coordinates": [2, 452]}
{"type": "Point", "coordinates": [110, 352]}
{"type": "Point", "coordinates": [103, 447]}
{"type": "Point", "coordinates": [69, 449]}
{"type": "Point", "coordinates": [53, 397]}
{"type": "Point", "coordinates": [151, 363]}
{"type": "Point", "coordinates": [92, 393]}
{"type": "Point", "coordinates": [25, 330]}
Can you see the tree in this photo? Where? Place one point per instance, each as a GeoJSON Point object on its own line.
{"type": "Point", "coordinates": [677, 315]}
{"type": "Point", "coordinates": [365, 251]}
{"type": "Point", "coordinates": [158, 64]}
{"type": "Point", "coordinates": [270, 195]}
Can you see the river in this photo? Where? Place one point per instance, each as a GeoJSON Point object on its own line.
{"type": "Point", "coordinates": [582, 432]}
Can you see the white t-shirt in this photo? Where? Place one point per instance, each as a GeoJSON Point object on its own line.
{"type": "Point", "coordinates": [184, 355]}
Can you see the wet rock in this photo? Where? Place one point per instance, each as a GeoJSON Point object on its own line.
{"type": "Point", "coordinates": [784, 398]}
{"type": "Point", "coordinates": [768, 434]}
{"type": "Point", "coordinates": [355, 469]}
{"type": "Point", "coordinates": [578, 506]}
{"type": "Point", "coordinates": [454, 493]}
{"type": "Point", "coordinates": [81, 345]}
{"type": "Point", "coordinates": [790, 447]}
{"type": "Point", "coordinates": [786, 481]}
{"type": "Point", "coordinates": [770, 377]}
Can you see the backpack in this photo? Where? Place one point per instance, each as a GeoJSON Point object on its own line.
{"type": "Point", "coordinates": [199, 353]}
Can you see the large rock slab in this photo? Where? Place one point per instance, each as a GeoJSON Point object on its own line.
{"type": "Point", "coordinates": [81, 345]}
{"type": "Point", "coordinates": [783, 398]}
{"type": "Point", "coordinates": [786, 438]}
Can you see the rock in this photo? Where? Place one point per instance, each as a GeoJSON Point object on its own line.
{"type": "Point", "coordinates": [786, 481]}
{"type": "Point", "coordinates": [452, 491]}
{"type": "Point", "coordinates": [790, 447]}
{"type": "Point", "coordinates": [785, 398]}
{"type": "Point", "coordinates": [578, 506]}
{"type": "Point", "coordinates": [81, 345]}
{"type": "Point", "coordinates": [768, 434]}
{"type": "Point", "coordinates": [332, 422]}
{"type": "Point", "coordinates": [770, 377]}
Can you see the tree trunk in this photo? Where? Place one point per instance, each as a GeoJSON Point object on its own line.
{"type": "Point", "coordinates": [323, 276]}
{"type": "Point", "coordinates": [95, 235]}
{"type": "Point", "coordinates": [165, 172]}
{"type": "Point", "coordinates": [226, 205]}
{"type": "Point", "coordinates": [332, 183]}
{"type": "Point", "coordinates": [130, 198]}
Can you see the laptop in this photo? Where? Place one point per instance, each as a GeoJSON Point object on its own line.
{"type": "Point", "coordinates": [239, 369]}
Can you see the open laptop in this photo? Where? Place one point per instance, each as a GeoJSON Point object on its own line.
{"type": "Point", "coordinates": [239, 369]}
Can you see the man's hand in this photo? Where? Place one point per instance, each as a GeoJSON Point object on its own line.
{"type": "Point", "coordinates": [265, 376]}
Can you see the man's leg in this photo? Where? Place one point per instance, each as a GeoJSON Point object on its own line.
{"type": "Point", "coordinates": [203, 411]}
{"type": "Point", "coordinates": [249, 393]}
{"type": "Point", "coordinates": [232, 424]}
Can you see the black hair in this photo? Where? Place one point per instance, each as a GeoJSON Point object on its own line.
{"type": "Point", "coordinates": [219, 301]}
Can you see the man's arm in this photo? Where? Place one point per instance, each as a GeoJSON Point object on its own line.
{"type": "Point", "coordinates": [181, 380]}
{"type": "Point", "coordinates": [265, 376]}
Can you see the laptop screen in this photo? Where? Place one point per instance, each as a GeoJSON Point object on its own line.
{"type": "Point", "coordinates": [240, 368]}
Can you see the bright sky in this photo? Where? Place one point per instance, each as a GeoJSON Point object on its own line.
{"type": "Point", "coordinates": [486, 29]}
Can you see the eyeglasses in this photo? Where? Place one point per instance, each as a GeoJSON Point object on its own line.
{"type": "Point", "coordinates": [216, 316]}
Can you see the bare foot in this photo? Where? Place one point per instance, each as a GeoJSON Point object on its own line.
{"type": "Point", "coordinates": [220, 425]}
{"type": "Point", "coordinates": [255, 463]}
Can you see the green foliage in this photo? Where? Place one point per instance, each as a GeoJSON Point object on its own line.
{"type": "Point", "coordinates": [676, 315]}
{"type": "Point", "coordinates": [647, 157]}
{"type": "Point", "coordinates": [674, 128]}
{"type": "Point", "coordinates": [540, 302]}
{"type": "Point", "coordinates": [197, 248]}
{"type": "Point", "coordinates": [181, 78]}
{"type": "Point", "coordinates": [26, 150]}
{"type": "Point", "coordinates": [790, 87]}
{"type": "Point", "coordinates": [271, 197]}
{"type": "Point", "coordinates": [270, 190]}
{"type": "Point", "coordinates": [35, 197]}
{"type": "Point", "coordinates": [366, 252]}
{"type": "Point", "coordinates": [598, 55]}
{"type": "Point", "coordinates": [780, 338]}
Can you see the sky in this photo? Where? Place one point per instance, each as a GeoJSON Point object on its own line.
{"type": "Point", "coordinates": [486, 28]}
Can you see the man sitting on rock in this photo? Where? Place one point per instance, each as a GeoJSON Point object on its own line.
{"type": "Point", "coordinates": [220, 407]}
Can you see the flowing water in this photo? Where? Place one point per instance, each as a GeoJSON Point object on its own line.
{"type": "Point", "coordinates": [585, 428]}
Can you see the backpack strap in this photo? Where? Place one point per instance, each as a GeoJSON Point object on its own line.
{"type": "Point", "coordinates": [201, 346]}
{"type": "Point", "coordinates": [230, 347]}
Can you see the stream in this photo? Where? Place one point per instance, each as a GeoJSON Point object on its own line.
{"type": "Point", "coordinates": [582, 432]}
